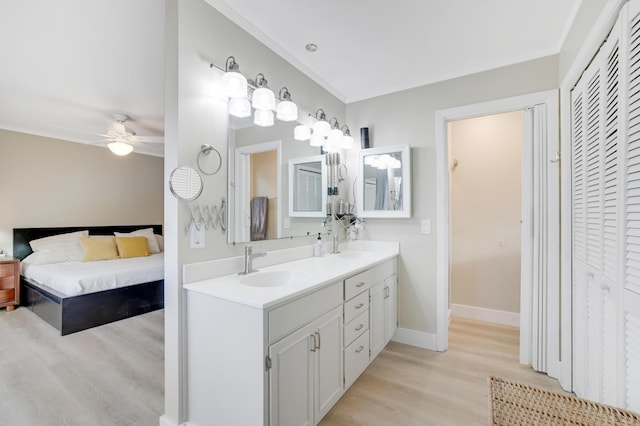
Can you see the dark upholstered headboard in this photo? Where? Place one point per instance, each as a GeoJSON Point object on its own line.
{"type": "Point", "coordinates": [22, 236]}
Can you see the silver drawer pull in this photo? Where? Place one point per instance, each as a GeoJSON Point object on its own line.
{"type": "Point", "coordinates": [360, 305]}
{"type": "Point", "coordinates": [358, 328]}
{"type": "Point", "coordinates": [359, 349]}
{"type": "Point", "coordinates": [360, 284]}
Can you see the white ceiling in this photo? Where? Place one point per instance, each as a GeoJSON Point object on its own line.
{"type": "Point", "coordinates": [68, 65]}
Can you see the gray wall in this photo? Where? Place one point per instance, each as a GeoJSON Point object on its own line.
{"type": "Point", "coordinates": [49, 182]}
{"type": "Point", "coordinates": [409, 117]}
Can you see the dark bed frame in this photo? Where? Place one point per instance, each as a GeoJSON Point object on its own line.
{"type": "Point", "coordinates": [69, 314]}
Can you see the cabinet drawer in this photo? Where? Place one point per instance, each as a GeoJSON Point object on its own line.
{"type": "Point", "coordinates": [357, 284]}
{"type": "Point", "coordinates": [7, 283]}
{"type": "Point", "coordinates": [356, 306]}
{"type": "Point", "coordinates": [293, 315]}
{"type": "Point", "coordinates": [356, 359]}
{"type": "Point", "coordinates": [7, 296]}
{"type": "Point", "coordinates": [7, 270]}
{"type": "Point", "coordinates": [355, 328]}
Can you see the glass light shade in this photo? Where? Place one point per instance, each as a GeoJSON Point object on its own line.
{"type": "Point", "coordinates": [264, 99]}
{"type": "Point", "coordinates": [234, 84]}
{"type": "Point", "coordinates": [287, 111]}
{"type": "Point", "coordinates": [330, 145]}
{"type": "Point", "coordinates": [316, 140]}
{"type": "Point", "coordinates": [347, 142]}
{"type": "Point", "coordinates": [301, 132]}
{"type": "Point", "coordinates": [335, 137]}
{"type": "Point", "coordinates": [321, 128]}
{"type": "Point", "coordinates": [239, 107]}
{"type": "Point", "coordinates": [263, 118]}
{"type": "Point", "coordinates": [120, 148]}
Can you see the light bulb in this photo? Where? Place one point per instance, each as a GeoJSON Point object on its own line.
{"type": "Point", "coordinates": [120, 148]}
{"type": "Point", "coordinates": [321, 128]}
{"type": "Point", "coordinates": [287, 111]}
{"type": "Point", "coordinates": [264, 99]}
{"type": "Point", "coordinates": [263, 118]}
{"type": "Point", "coordinates": [301, 132]}
{"type": "Point", "coordinates": [239, 107]}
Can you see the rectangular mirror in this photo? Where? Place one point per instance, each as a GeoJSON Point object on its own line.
{"type": "Point", "coordinates": [385, 182]}
{"type": "Point", "coordinates": [308, 187]}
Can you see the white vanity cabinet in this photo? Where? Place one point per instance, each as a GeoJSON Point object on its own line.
{"type": "Point", "coordinates": [384, 318]}
{"type": "Point", "coordinates": [305, 378]}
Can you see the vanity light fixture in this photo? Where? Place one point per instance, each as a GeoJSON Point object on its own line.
{"type": "Point", "coordinates": [334, 139]}
{"type": "Point", "coordinates": [263, 97]}
{"type": "Point", "coordinates": [234, 83]}
{"type": "Point", "coordinates": [239, 107]}
{"type": "Point", "coordinates": [317, 140]}
{"type": "Point", "coordinates": [263, 118]}
{"type": "Point", "coordinates": [347, 139]}
{"type": "Point", "coordinates": [287, 110]}
{"type": "Point", "coordinates": [321, 127]}
{"type": "Point", "coordinates": [120, 148]}
{"type": "Point", "coordinates": [301, 133]}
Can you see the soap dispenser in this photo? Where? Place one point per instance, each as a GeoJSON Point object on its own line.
{"type": "Point", "coordinates": [318, 247]}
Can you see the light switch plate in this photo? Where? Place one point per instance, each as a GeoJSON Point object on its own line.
{"type": "Point", "coordinates": [425, 226]}
{"type": "Point", "coordinates": [196, 236]}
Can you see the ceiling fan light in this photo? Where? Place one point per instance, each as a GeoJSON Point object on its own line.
{"type": "Point", "coordinates": [263, 118]}
{"type": "Point", "coordinates": [301, 132]}
{"type": "Point", "coordinates": [239, 107]}
{"type": "Point", "coordinates": [120, 148]}
{"type": "Point", "coordinates": [287, 111]}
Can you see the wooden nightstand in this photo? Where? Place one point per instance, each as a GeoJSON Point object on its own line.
{"type": "Point", "coordinates": [9, 282]}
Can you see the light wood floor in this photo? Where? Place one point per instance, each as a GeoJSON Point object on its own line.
{"type": "Point", "coordinates": [109, 375]}
{"type": "Point", "coordinates": [410, 386]}
{"type": "Point", "coordinates": [114, 375]}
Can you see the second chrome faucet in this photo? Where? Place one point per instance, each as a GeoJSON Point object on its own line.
{"type": "Point", "coordinates": [249, 255]}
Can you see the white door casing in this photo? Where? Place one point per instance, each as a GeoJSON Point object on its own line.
{"type": "Point", "coordinates": [541, 182]}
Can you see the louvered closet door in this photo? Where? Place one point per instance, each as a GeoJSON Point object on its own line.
{"type": "Point", "coordinates": [631, 299]}
{"type": "Point", "coordinates": [596, 233]}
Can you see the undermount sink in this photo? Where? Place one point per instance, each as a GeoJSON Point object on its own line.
{"type": "Point", "coordinates": [273, 278]}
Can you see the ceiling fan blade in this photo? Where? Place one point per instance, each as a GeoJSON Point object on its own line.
{"type": "Point", "coordinates": [152, 139]}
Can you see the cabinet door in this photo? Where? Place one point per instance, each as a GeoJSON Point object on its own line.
{"type": "Point", "coordinates": [328, 374]}
{"type": "Point", "coordinates": [377, 321]}
{"type": "Point", "coordinates": [291, 378]}
{"type": "Point", "coordinates": [391, 301]}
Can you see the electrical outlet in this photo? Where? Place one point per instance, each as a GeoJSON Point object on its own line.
{"type": "Point", "coordinates": [196, 239]}
{"type": "Point", "coordinates": [425, 226]}
{"type": "Point", "coordinates": [287, 222]}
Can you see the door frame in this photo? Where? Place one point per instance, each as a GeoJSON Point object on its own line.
{"type": "Point", "coordinates": [242, 189]}
{"type": "Point", "coordinates": [551, 101]}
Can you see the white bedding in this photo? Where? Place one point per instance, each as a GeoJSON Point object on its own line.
{"type": "Point", "coordinates": [74, 278]}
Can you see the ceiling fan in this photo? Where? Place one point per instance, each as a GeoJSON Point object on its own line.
{"type": "Point", "coordinates": [121, 140]}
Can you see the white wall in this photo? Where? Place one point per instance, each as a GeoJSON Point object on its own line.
{"type": "Point", "coordinates": [49, 182]}
{"type": "Point", "coordinates": [485, 216]}
{"type": "Point", "coordinates": [409, 117]}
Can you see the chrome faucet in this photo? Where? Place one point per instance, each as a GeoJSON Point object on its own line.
{"type": "Point", "coordinates": [249, 255]}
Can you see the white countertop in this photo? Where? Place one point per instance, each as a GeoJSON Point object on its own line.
{"type": "Point", "coordinates": [315, 272]}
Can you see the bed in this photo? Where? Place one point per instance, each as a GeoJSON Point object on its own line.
{"type": "Point", "coordinates": [72, 313]}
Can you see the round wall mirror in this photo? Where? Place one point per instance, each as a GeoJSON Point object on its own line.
{"type": "Point", "coordinates": [185, 183]}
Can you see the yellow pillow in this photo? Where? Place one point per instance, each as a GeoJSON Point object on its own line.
{"type": "Point", "coordinates": [98, 248]}
{"type": "Point", "coordinates": [132, 246]}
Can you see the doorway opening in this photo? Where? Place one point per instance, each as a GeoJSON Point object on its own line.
{"type": "Point", "coordinates": [541, 343]}
{"type": "Point", "coordinates": [485, 178]}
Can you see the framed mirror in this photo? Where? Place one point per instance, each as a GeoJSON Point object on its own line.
{"type": "Point", "coordinates": [385, 182]}
{"type": "Point", "coordinates": [308, 187]}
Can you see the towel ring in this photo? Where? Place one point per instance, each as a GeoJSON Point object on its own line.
{"type": "Point", "coordinates": [206, 149]}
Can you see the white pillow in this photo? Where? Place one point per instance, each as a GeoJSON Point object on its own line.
{"type": "Point", "coordinates": [160, 240]}
{"type": "Point", "coordinates": [49, 242]}
{"type": "Point", "coordinates": [63, 251]}
{"type": "Point", "coordinates": [148, 233]}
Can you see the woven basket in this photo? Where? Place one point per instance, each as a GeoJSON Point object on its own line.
{"type": "Point", "coordinates": [517, 404]}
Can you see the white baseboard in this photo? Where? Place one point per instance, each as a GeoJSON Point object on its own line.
{"type": "Point", "coordinates": [487, 315]}
{"type": "Point", "coordinates": [420, 339]}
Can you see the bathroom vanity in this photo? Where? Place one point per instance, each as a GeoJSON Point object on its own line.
{"type": "Point", "coordinates": [282, 345]}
